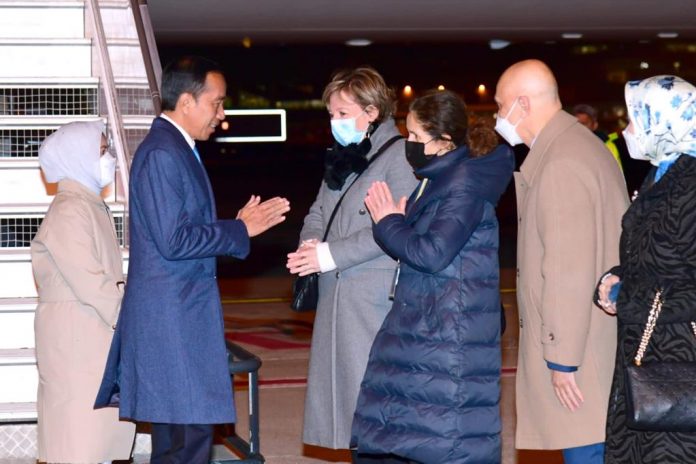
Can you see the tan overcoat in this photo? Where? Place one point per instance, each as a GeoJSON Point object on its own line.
{"type": "Point", "coordinates": [571, 196]}
{"type": "Point", "coordinates": [77, 266]}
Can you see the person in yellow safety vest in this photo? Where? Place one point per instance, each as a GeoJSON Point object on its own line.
{"type": "Point", "coordinates": [587, 116]}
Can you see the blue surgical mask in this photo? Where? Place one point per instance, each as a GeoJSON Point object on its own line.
{"type": "Point", "coordinates": [345, 132]}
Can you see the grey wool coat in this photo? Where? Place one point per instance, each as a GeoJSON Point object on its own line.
{"type": "Point", "coordinates": [354, 298]}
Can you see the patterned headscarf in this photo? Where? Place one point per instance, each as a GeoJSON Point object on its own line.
{"type": "Point", "coordinates": [663, 112]}
{"type": "Point", "coordinates": [72, 152]}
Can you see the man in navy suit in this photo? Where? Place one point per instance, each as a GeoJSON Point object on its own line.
{"type": "Point", "coordinates": [168, 357]}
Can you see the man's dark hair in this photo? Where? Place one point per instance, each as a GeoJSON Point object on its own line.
{"type": "Point", "coordinates": [583, 108]}
{"type": "Point", "coordinates": [185, 75]}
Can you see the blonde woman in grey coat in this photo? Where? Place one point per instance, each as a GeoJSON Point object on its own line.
{"type": "Point", "coordinates": [355, 274]}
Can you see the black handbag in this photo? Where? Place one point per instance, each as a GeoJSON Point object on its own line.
{"type": "Point", "coordinates": [305, 293]}
{"type": "Point", "coordinates": [660, 396]}
{"type": "Point", "coordinates": [305, 289]}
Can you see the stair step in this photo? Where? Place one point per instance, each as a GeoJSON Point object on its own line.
{"type": "Point", "coordinates": [17, 323]}
{"type": "Point", "coordinates": [19, 20]}
{"type": "Point", "coordinates": [17, 412]}
{"type": "Point", "coordinates": [20, 379]}
{"type": "Point", "coordinates": [21, 182]}
{"type": "Point", "coordinates": [17, 357]}
{"type": "Point", "coordinates": [18, 304]}
{"type": "Point", "coordinates": [17, 326]}
{"type": "Point", "coordinates": [16, 275]}
{"type": "Point", "coordinates": [46, 57]}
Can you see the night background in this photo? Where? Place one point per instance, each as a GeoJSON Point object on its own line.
{"type": "Point", "coordinates": [293, 77]}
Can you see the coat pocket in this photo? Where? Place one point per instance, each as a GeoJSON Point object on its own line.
{"type": "Point", "coordinates": [547, 335]}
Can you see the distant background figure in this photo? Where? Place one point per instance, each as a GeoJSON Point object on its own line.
{"type": "Point", "coordinates": [587, 116]}
{"type": "Point", "coordinates": [633, 170]}
{"type": "Point", "coordinates": [79, 274]}
{"type": "Point", "coordinates": [431, 389]}
{"type": "Point", "coordinates": [356, 275]}
{"type": "Point", "coordinates": [570, 198]}
{"type": "Point", "coordinates": [658, 246]}
{"type": "Point", "coordinates": [168, 356]}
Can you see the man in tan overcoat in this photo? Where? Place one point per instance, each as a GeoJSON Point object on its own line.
{"type": "Point", "coordinates": [570, 200]}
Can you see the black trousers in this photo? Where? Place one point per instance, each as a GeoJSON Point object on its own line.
{"type": "Point", "coordinates": [378, 459]}
{"type": "Point", "coordinates": [181, 443]}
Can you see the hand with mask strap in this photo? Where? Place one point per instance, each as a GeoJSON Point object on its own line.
{"type": "Point", "coordinates": [380, 203]}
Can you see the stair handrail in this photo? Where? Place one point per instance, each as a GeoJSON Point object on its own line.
{"type": "Point", "coordinates": [108, 84]}
{"type": "Point", "coordinates": [148, 48]}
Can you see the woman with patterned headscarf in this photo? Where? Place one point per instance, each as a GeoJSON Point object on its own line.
{"type": "Point", "coordinates": [78, 271]}
{"type": "Point", "coordinates": [658, 251]}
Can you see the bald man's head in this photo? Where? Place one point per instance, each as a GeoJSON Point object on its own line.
{"type": "Point", "coordinates": [530, 86]}
{"type": "Point", "coordinates": [531, 78]}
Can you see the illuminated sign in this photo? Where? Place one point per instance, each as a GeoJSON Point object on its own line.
{"type": "Point", "coordinates": [253, 126]}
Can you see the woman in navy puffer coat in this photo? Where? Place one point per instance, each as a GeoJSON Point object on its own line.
{"type": "Point", "coordinates": [432, 385]}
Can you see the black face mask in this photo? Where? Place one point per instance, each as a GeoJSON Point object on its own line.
{"type": "Point", "coordinates": [415, 154]}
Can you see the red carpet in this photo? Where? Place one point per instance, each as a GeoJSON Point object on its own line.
{"type": "Point", "coordinates": [268, 339]}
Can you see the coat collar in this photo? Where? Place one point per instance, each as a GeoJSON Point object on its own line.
{"type": "Point", "coordinates": [385, 131]}
{"type": "Point", "coordinates": [436, 167]}
{"type": "Point", "coordinates": [189, 140]}
{"type": "Point", "coordinates": [196, 168]}
{"type": "Point", "coordinates": [443, 163]}
{"type": "Point", "coordinates": [72, 186]}
{"type": "Point", "coordinates": [177, 136]}
{"type": "Point", "coordinates": [557, 125]}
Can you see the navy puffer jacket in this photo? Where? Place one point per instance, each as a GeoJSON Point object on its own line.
{"type": "Point", "coordinates": [432, 385]}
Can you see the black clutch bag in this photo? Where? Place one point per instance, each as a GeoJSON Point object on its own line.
{"type": "Point", "coordinates": [305, 293]}
{"type": "Point", "coordinates": [305, 289]}
{"type": "Point", "coordinates": [660, 396]}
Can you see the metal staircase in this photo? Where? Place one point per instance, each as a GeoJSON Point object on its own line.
{"type": "Point", "coordinates": [60, 61]}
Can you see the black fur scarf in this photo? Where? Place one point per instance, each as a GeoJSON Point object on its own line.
{"type": "Point", "coordinates": [341, 161]}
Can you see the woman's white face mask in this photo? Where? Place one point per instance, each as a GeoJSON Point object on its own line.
{"type": "Point", "coordinates": [107, 169]}
{"type": "Point", "coordinates": [635, 148]}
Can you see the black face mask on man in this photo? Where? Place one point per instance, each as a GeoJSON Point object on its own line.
{"type": "Point", "coordinates": [415, 154]}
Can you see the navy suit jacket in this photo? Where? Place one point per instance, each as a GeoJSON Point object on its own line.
{"type": "Point", "coordinates": [168, 356]}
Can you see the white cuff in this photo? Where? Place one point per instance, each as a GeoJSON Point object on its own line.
{"type": "Point", "coordinates": [326, 262]}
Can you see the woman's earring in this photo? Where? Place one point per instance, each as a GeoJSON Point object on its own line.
{"type": "Point", "coordinates": [370, 129]}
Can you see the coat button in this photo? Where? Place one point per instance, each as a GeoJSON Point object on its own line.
{"type": "Point", "coordinates": [551, 337]}
{"type": "Point", "coordinates": [338, 274]}
{"type": "Point", "coordinates": [361, 212]}
{"type": "Point", "coordinates": [521, 324]}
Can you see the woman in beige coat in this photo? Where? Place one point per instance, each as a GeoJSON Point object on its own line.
{"type": "Point", "coordinates": [78, 271]}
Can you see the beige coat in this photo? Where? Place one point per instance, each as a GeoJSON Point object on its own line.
{"type": "Point", "coordinates": [571, 196]}
{"type": "Point", "coordinates": [77, 267]}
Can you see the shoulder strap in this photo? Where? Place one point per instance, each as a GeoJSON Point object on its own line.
{"type": "Point", "coordinates": [381, 150]}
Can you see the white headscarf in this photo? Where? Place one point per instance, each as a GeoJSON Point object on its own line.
{"type": "Point", "coordinates": [73, 152]}
{"type": "Point", "coordinates": [663, 112]}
